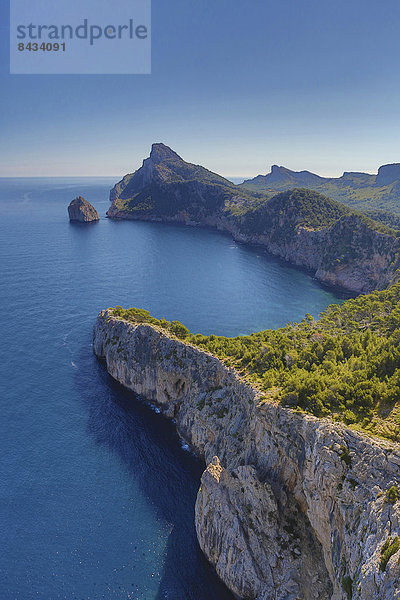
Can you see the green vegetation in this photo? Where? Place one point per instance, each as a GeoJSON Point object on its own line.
{"type": "Point", "coordinates": [345, 455]}
{"type": "Point", "coordinates": [345, 366]}
{"type": "Point", "coordinates": [184, 191]}
{"type": "Point", "coordinates": [300, 207]}
{"type": "Point", "coordinates": [389, 548]}
{"type": "Point", "coordinates": [385, 217]}
{"type": "Point", "coordinates": [392, 494]}
{"type": "Point", "coordinates": [139, 315]}
{"type": "Point", "coordinates": [282, 214]}
{"type": "Point", "coordinates": [356, 190]}
{"type": "Point", "coordinates": [347, 585]}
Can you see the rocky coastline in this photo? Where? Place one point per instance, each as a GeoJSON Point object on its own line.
{"type": "Point", "coordinates": [341, 247]}
{"type": "Point", "coordinates": [290, 506]}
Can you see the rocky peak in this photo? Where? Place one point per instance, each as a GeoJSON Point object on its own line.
{"type": "Point", "coordinates": [80, 210]}
{"type": "Point", "coordinates": [283, 175]}
{"type": "Point", "coordinates": [388, 174]}
{"type": "Point", "coordinates": [164, 167]}
{"type": "Point", "coordinates": [278, 172]}
{"type": "Point", "coordinates": [160, 152]}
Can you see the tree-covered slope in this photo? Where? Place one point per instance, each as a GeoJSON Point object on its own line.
{"type": "Point", "coordinates": [346, 365]}
{"type": "Point", "coordinates": [361, 191]}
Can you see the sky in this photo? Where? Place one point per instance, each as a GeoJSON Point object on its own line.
{"type": "Point", "coordinates": [235, 86]}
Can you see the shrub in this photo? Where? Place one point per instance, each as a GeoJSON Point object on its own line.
{"type": "Point", "coordinates": [392, 494]}
{"type": "Point", "coordinates": [178, 329]}
{"type": "Point", "coordinates": [345, 455]}
{"type": "Point", "coordinates": [347, 585]}
{"type": "Point", "coordinates": [389, 548]}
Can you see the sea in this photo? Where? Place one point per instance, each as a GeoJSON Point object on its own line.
{"type": "Point", "coordinates": [97, 491]}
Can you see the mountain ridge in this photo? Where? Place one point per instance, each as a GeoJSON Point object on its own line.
{"type": "Point", "coordinates": [362, 191]}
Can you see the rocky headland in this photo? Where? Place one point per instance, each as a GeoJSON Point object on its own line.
{"type": "Point", "coordinates": [81, 211]}
{"type": "Point", "coordinates": [340, 246]}
{"type": "Point", "coordinates": [290, 506]}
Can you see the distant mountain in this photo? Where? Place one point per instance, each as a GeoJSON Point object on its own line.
{"type": "Point", "coordinates": [341, 246]}
{"type": "Point", "coordinates": [281, 177]}
{"type": "Point", "coordinates": [361, 191]}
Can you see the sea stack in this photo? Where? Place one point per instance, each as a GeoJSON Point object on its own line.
{"type": "Point", "coordinates": [81, 211]}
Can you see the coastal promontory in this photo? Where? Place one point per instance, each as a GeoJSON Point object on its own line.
{"type": "Point", "coordinates": [81, 211]}
{"type": "Point", "coordinates": [338, 245]}
{"type": "Point", "coordinates": [291, 506]}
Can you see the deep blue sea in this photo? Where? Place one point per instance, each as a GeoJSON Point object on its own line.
{"type": "Point", "coordinates": [97, 493]}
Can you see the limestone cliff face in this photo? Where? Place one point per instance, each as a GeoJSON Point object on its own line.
{"type": "Point", "coordinates": [290, 507]}
{"type": "Point", "coordinates": [81, 211]}
{"type": "Point", "coordinates": [348, 254]}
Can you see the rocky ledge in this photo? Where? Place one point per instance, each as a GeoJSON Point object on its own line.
{"type": "Point", "coordinates": [81, 211]}
{"type": "Point", "coordinates": [290, 507]}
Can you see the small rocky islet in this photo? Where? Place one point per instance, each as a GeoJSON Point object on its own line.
{"type": "Point", "coordinates": [81, 211]}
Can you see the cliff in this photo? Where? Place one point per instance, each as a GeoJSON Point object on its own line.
{"type": "Point", "coordinates": [346, 250]}
{"type": "Point", "coordinates": [290, 506]}
{"type": "Point", "coordinates": [388, 174]}
{"type": "Point", "coordinates": [341, 247]}
{"type": "Point", "coordinates": [81, 211]}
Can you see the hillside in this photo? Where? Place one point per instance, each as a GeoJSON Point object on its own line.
{"type": "Point", "coordinates": [340, 246]}
{"type": "Point", "coordinates": [361, 191]}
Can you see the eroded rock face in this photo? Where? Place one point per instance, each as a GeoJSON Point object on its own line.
{"type": "Point", "coordinates": [289, 505]}
{"type": "Point", "coordinates": [81, 211]}
{"type": "Point", "coordinates": [257, 540]}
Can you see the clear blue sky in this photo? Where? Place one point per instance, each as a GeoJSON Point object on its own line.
{"type": "Point", "coordinates": [235, 86]}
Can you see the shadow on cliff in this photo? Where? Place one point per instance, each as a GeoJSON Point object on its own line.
{"type": "Point", "coordinates": [168, 475]}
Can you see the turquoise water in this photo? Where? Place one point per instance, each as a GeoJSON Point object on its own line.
{"type": "Point", "coordinates": [97, 493]}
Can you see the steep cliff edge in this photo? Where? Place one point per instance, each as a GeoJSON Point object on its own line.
{"type": "Point", "coordinates": [289, 506]}
{"type": "Point", "coordinates": [341, 247]}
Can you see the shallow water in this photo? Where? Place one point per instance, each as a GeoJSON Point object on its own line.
{"type": "Point", "coordinates": [97, 494]}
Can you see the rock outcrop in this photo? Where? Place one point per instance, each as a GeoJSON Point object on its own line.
{"type": "Point", "coordinates": [81, 211]}
{"type": "Point", "coordinates": [388, 174]}
{"type": "Point", "coordinates": [290, 507]}
{"type": "Point", "coordinates": [340, 247]}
